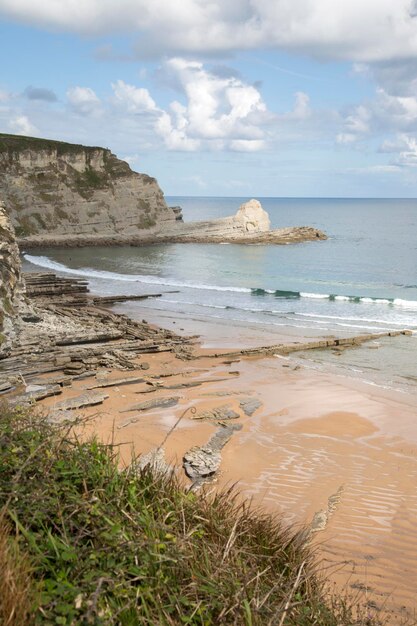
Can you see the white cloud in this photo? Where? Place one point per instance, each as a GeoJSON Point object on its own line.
{"type": "Point", "coordinates": [175, 138]}
{"type": "Point", "coordinates": [367, 31]}
{"type": "Point", "coordinates": [135, 99]}
{"type": "Point", "coordinates": [405, 148]}
{"type": "Point", "coordinates": [301, 110]}
{"type": "Point", "coordinates": [21, 125]}
{"type": "Point", "coordinates": [245, 145]}
{"type": "Point", "coordinates": [384, 169]}
{"type": "Point", "coordinates": [219, 111]}
{"type": "Point", "coordinates": [83, 100]}
{"type": "Point", "coordinates": [400, 111]}
{"type": "Point", "coordinates": [356, 125]}
{"type": "Point", "coordinates": [346, 138]}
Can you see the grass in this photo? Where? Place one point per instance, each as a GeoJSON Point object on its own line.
{"type": "Point", "coordinates": [94, 544]}
{"type": "Point", "coordinates": [19, 143]}
{"type": "Point", "coordinates": [16, 587]}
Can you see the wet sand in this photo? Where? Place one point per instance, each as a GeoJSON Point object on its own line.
{"type": "Point", "coordinates": [315, 437]}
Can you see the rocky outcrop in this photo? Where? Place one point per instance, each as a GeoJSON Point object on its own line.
{"type": "Point", "coordinates": [11, 286]}
{"type": "Point", "coordinates": [58, 189]}
{"type": "Point", "coordinates": [61, 332]}
{"type": "Point", "coordinates": [249, 225]}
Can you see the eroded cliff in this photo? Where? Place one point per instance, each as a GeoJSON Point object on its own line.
{"type": "Point", "coordinates": [11, 286]}
{"type": "Point", "coordinates": [57, 188]}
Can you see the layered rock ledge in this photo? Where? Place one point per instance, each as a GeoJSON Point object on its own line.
{"type": "Point", "coordinates": [250, 225]}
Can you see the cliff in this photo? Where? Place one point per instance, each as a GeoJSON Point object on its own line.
{"type": "Point", "coordinates": [11, 285]}
{"type": "Point", "coordinates": [58, 189]}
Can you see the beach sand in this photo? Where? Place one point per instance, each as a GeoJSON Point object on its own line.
{"type": "Point", "coordinates": [321, 450]}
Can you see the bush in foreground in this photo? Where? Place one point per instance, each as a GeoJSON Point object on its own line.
{"type": "Point", "coordinates": [131, 547]}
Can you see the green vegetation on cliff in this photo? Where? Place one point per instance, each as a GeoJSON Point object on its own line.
{"type": "Point", "coordinates": [82, 542]}
{"type": "Point", "coordinates": [19, 143]}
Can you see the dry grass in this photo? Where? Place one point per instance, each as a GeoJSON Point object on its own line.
{"type": "Point", "coordinates": [16, 585]}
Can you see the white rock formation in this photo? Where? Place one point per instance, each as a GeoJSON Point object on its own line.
{"type": "Point", "coordinates": [253, 217]}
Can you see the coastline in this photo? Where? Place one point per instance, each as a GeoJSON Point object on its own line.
{"type": "Point", "coordinates": [319, 450]}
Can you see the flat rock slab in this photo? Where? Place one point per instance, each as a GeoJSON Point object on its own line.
{"type": "Point", "coordinates": [86, 399]}
{"type": "Point", "coordinates": [192, 383]}
{"type": "Point", "coordinates": [181, 385]}
{"type": "Point", "coordinates": [34, 393]}
{"type": "Point", "coordinates": [201, 462]}
{"type": "Point", "coordinates": [61, 416]}
{"type": "Point", "coordinates": [155, 403]}
{"type": "Point", "coordinates": [250, 405]}
{"type": "Point", "coordinates": [117, 382]}
{"type": "Point", "coordinates": [155, 460]}
{"type": "Point", "coordinates": [219, 413]}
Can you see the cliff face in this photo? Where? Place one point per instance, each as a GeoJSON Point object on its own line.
{"type": "Point", "coordinates": [11, 284]}
{"type": "Point", "coordinates": [56, 188]}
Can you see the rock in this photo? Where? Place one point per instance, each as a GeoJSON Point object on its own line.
{"type": "Point", "coordinates": [85, 400]}
{"type": "Point", "coordinates": [74, 336]}
{"type": "Point", "coordinates": [250, 405]}
{"type": "Point", "coordinates": [219, 413]}
{"type": "Point", "coordinates": [117, 382]}
{"type": "Point", "coordinates": [193, 383]}
{"type": "Point", "coordinates": [177, 385]}
{"type": "Point", "coordinates": [60, 416]}
{"type": "Point", "coordinates": [253, 217]}
{"type": "Point", "coordinates": [144, 366]}
{"type": "Point", "coordinates": [11, 286]}
{"type": "Point", "coordinates": [155, 403]}
{"type": "Point", "coordinates": [285, 349]}
{"type": "Point", "coordinates": [250, 224]}
{"type": "Point", "coordinates": [155, 460]}
{"type": "Point", "coordinates": [50, 186]}
{"type": "Point", "coordinates": [35, 393]}
{"type": "Point", "coordinates": [203, 462]}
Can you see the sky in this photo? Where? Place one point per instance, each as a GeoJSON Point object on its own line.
{"type": "Point", "coordinates": [302, 98]}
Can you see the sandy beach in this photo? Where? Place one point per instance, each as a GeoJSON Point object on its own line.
{"type": "Point", "coordinates": [321, 450]}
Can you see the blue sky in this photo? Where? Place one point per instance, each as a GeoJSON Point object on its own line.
{"type": "Point", "coordinates": [231, 97]}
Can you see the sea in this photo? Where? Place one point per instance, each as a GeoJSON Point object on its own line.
{"type": "Point", "coordinates": [362, 279]}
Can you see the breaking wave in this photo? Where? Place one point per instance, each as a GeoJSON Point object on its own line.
{"type": "Point", "coordinates": [43, 261]}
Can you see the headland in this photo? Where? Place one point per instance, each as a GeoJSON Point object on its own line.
{"type": "Point", "coordinates": [67, 195]}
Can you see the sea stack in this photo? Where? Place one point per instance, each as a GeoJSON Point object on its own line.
{"type": "Point", "coordinates": [253, 217]}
